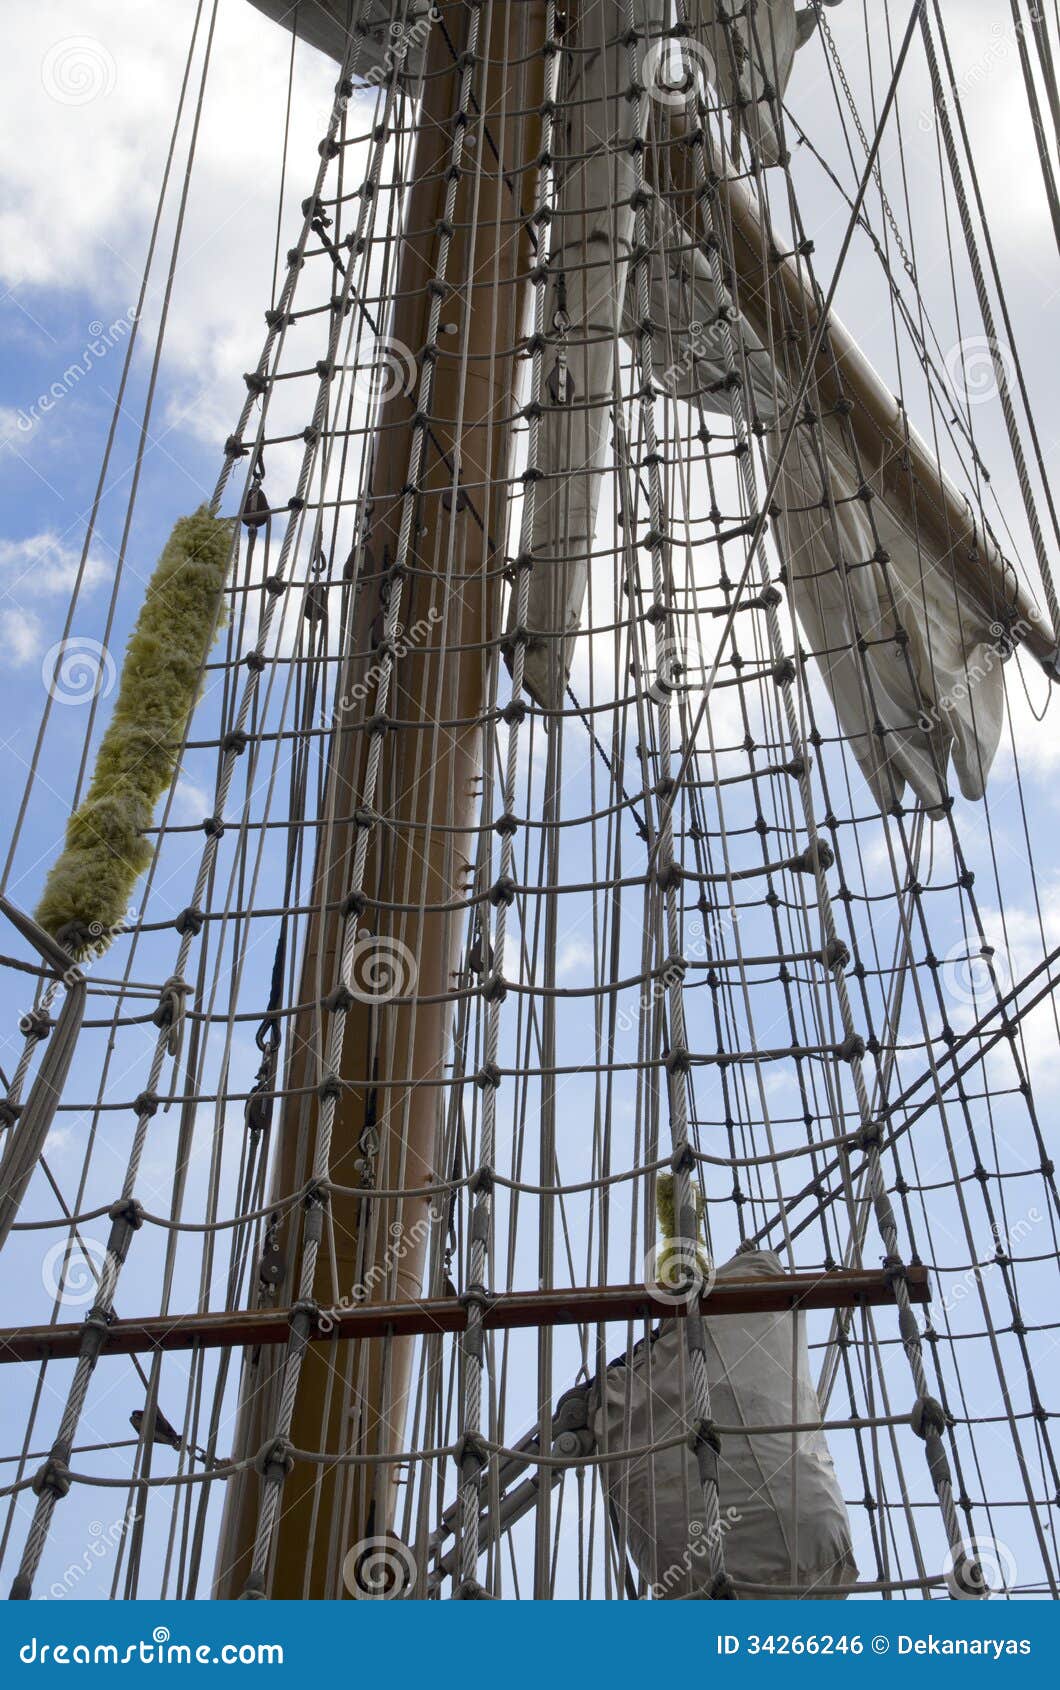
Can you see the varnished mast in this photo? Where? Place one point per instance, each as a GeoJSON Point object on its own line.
{"type": "Point", "coordinates": [422, 847]}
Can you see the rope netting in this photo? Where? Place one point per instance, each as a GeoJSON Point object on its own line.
{"type": "Point", "coordinates": [543, 854]}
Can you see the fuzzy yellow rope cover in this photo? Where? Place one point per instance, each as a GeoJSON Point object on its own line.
{"type": "Point", "coordinates": [673, 1252]}
{"type": "Point", "coordinates": [87, 893]}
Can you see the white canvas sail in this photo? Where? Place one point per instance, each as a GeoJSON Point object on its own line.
{"type": "Point", "coordinates": [783, 1520]}
{"type": "Point", "coordinates": [852, 578]}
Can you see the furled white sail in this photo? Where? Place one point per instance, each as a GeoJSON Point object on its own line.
{"type": "Point", "coordinates": [783, 1519]}
{"type": "Point", "coordinates": [911, 656]}
{"type": "Point", "coordinates": [591, 245]}
{"type": "Point", "coordinates": [751, 54]}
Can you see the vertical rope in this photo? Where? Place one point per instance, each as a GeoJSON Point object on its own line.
{"type": "Point", "coordinates": [704, 1440]}
{"type": "Point", "coordinates": [470, 1452]}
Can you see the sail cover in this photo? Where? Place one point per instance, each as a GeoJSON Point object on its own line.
{"type": "Point", "coordinates": [783, 1518]}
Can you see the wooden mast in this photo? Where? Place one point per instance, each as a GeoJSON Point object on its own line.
{"type": "Point", "coordinates": [426, 794]}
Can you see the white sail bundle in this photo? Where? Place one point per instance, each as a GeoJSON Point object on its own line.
{"type": "Point", "coordinates": [591, 246]}
{"type": "Point", "coordinates": [782, 1516]}
{"type": "Point", "coordinates": [750, 57]}
{"type": "Point", "coordinates": [911, 656]}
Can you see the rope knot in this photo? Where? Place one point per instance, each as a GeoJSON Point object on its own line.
{"type": "Point", "coordinates": [276, 1459]}
{"type": "Point", "coordinates": [928, 1416]}
{"type": "Point", "coordinates": [54, 1478]}
{"type": "Point", "coordinates": [170, 1013]}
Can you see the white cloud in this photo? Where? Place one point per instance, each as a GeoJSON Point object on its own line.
{"type": "Point", "coordinates": [37, 577]}
{"type": "Point", "coordinates": [21, 636]}
{"type": "Point", "coordinates": [190, 801]}
{"type": "Point", "coordinates": [45, 564]}
{"type": "Point", "coordinates": [9, 428]}
{"type": "Point", "coordinates": [576, 956]}
{"type": "Point", "coordinates": [1031, 735]}
{"type": "Point", "coordinates": [106, 155]}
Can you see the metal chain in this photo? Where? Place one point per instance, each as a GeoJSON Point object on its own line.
{"type": "Point", "coordinates": [829, 39]}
